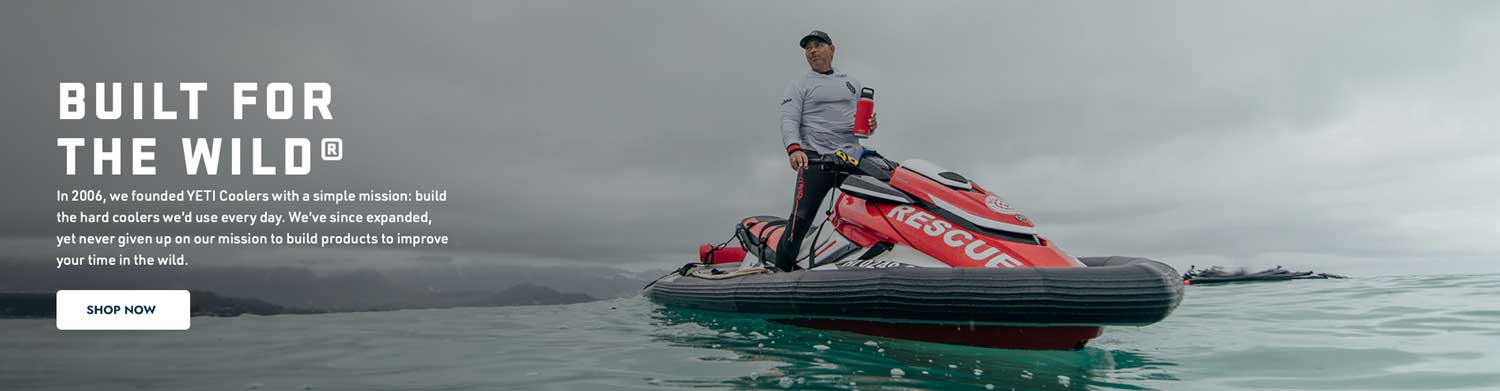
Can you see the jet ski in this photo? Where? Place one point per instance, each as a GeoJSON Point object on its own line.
{"type": "Point", "coordinates": [1214, 275]}
{"type": "Point", "coordinates": [915, 251]}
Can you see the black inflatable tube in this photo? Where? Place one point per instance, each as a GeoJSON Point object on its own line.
{"type": "Point", "coordinates": [1111, 291]}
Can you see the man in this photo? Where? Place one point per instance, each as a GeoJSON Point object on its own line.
{"type": "Point", "coordinates": [817, 118]}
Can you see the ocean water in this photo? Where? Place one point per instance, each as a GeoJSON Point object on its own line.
{"type": "Point", "coordinates": [1384, 333]}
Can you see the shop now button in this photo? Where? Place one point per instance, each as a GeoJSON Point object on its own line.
{"type": "Point", "coordinates": [124, 310]}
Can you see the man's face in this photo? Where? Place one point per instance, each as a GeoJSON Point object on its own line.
{"type": "Point", "coordinates": [819, 55]}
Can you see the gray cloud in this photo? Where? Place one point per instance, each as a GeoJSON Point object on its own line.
{"type": "Point", "coordinates": [609, 132]}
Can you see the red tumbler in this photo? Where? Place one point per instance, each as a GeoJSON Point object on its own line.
{"type": "Point", "coordinates": [862, 113]}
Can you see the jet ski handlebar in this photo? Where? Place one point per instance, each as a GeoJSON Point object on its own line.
{"type": "Point", "coordinates": [871, 163]}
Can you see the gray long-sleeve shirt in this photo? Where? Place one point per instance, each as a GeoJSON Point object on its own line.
{"type": "Point", "coordinates": [817, 112]}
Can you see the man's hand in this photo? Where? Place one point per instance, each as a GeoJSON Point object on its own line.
{"type": "Point", "coordinates": [798, 159]}
{"type": "Point", "coordinates": [872, 121]}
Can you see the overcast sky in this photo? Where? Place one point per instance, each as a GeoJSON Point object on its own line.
{"type": "Point", "coordinates": [1314, 134]}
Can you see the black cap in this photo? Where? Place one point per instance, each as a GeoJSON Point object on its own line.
{"type": "Point", "coordinates": [812, 35]}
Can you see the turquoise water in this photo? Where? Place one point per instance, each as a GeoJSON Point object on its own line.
{"type": "Point", "coordinates": [1386, 333]}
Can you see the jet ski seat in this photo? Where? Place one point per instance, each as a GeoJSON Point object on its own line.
{"type": "Point", "coordinates": [761, 234]}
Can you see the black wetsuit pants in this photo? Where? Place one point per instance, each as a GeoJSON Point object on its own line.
{"type": "Point", "coordinates": [813, 184]}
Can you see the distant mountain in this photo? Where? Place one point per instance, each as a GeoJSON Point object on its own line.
{"type": "Point", "coordinates": [27, 305]}
{"type": "Point", "coordinates": [210, 304]}
{"type": "Point", "coordinates": [523, 294]}
{"type": "Point", "coordinates": [44, 305]}
{"type": "Point", "coordinates": [600, 282]}
{"type": "Point", "coordinates": [244, 289]}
